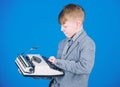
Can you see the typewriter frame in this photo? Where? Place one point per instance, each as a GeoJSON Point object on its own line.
{"type": "Point", "coordinates": [31, 68]}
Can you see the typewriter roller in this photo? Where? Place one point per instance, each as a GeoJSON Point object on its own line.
{"type": "Point", "coordinates": [24, 65]}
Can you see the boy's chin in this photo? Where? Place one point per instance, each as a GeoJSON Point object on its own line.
{"type": "Point", "coordinates": [68, 36]}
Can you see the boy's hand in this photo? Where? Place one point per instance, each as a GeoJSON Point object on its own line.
{"type": "Point", "coordinates": [52, 59]}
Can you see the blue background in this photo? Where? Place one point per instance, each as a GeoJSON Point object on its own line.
{"type": "Point", "coordinates": [28, 23]}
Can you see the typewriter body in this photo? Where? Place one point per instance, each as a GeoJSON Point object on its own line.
{"type": "Point", "coordinates": [36, 65]}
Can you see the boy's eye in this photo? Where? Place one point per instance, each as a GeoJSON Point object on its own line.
{"type": "Point", "coordinates": [65, 26]}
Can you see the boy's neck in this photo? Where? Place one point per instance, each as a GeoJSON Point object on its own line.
{"type": "Point", "coordinates": [79, 30]}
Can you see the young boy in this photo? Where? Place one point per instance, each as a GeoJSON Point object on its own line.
{"type": "Point", "coordinates": [76, 53]}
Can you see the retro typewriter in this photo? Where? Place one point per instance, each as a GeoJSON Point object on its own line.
{"type": "Point", "coordinates": [35, 65]}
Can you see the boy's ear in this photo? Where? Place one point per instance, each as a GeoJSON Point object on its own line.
{"type": "Point", "coordinates": [79, 23]}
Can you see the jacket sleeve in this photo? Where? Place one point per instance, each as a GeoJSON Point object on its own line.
{"type": "Point", "coordinates": [85, 63]}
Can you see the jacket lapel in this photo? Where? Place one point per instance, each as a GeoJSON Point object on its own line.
{"type": "Point", "coordinates": [75, 43]}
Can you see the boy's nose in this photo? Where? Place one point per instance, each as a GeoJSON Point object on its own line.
{"type": "Point", "coordinates": [62, 29]}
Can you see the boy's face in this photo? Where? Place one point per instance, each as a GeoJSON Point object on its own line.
{"type": "Point", "coordinates": [69, 28]}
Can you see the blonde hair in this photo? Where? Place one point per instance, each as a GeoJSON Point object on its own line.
{"type": "Point", "coordinates": [71, 11]}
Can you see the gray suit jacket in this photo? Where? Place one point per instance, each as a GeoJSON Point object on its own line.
{"type": "Point", "coordinates": [77, 64]}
